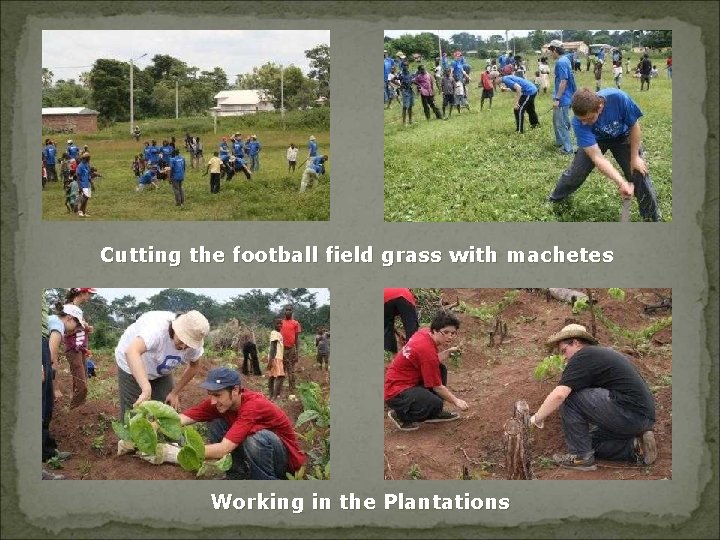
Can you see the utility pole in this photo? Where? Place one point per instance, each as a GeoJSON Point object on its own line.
{"type": "Point", "coordinates": [132, 100]}
{"type": "Point", "coordinates": [282, 93]}
{"type": "Point", "coordinates": [177, 109]}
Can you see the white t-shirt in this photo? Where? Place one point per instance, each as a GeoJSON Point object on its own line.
{"type": "Point", "coordinates": [459, 89]}
{"type": "Point", "coordinates": [161, 357]}
{"type": "Point", "coordinates": [292, 154]}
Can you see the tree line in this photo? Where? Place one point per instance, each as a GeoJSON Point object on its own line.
{"type": "Point", "coordinates": [254, 308]}
{"type": "Point", "coordinates": [426, 43]}
{"type": "Point", "coordinates": [106, 87]}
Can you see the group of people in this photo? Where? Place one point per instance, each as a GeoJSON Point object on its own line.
{"type": "Point", "coordinates": [244, 423]}
{"type": "Point", "coordinates": [77, 174]}
{"type": "Point", "coordinates": [606, 408]}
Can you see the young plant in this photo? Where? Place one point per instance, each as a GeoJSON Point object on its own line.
{"type": "Point", "coordinates": [153, 423]}
{"type": "Point", "coordinates": [549, 367]}
{"type": "Point", "coordinates": [316, 411]}
{"type": "Point", "coordinates": [415, 473]}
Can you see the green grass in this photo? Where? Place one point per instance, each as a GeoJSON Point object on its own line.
{"type": "Point", "coordinates": [271, 195]}
{"type": "Point", "coordinates": [474, 167]}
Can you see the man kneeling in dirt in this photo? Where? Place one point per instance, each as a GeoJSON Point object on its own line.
{"type": "Point", "coordinates": [416, 380]}
{"type": "Point", "coordinates": [257, 432]}
{"type": "Point", "coordinates": [607, 409]}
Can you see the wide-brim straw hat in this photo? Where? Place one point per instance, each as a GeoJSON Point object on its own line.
{"type": "Point", "coordinates": [571, 331]}
{"type": "Point", "coordinates": [192, 328]}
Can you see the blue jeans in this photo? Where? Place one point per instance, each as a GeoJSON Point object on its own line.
{"type": "Point", "coordinates": [561, 126]}
{"type": "Point", "coordinates": [255, 162]}
{"type": "Point", "coordinates": [582, 166]}
{"type": "Point", "coordinates": [261, 456]}
{"type": "Point", "coordinates": [595, 424]}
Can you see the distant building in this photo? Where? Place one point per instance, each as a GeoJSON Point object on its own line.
{"type": "Point", "coordinates": [571, 46]}
{"type": "Point", "coordinates": [69, 119]}
{"type": "Point", "coordinates": [241, 102]}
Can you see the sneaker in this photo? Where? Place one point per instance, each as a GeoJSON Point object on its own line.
{"type": "Point", "coordinates": [646, 448]}
{"type": "Point", "coordinates": [47, 475]}
{"type": "Point", "coordinates": [80, 214]}
{"type": "Point", "coordinates": [572, 461]}
{"type": "Point", "coordinates": [402, 426]}
{"type": "Point", "coordinates": [444, 416]}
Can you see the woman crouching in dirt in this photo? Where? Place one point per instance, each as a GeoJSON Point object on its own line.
{"type": "Point", "coordinates": [149, 351]}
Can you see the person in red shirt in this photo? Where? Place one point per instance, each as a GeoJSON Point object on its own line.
{"type": "Point", "coordinates": [399, 302]}
{"type": "Point", "coordinates": [290, 331]}
{"type": "Point", "coordinates": [416, 380]}
{"type": "Point", "coordinates": [257, 432]}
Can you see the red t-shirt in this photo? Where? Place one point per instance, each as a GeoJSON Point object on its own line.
{"type": "Point", "coordinates": [417, 363]}
{"type": "Point", "coordinates": [392, 294]}
{"type": "Point", "coordinates": [255, 414]}
{"type": "Point", "coordinates": [290, 329]}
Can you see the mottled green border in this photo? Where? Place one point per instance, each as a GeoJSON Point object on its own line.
{"type": "Point", "coordinates": [702, 524]}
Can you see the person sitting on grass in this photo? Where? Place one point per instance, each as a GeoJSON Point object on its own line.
{"type": "Point", "coordinates": [606, 408]}
{"type": "Point", "coordinates": [416, 380]}
{"type": "Point", "coordinates": [257, 433]}
{"type": "Point", "coordinates": [147, 179]}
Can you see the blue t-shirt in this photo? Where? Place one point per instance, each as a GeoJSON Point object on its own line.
{"type": "Point", "coordinates": [600, 55]}
{"type": "Point", "coordinates": [564, 71]}
{"type": "Point", "coordinates": [153, 153]}
{"type": "Point", "coordinates": [83, 174]}
{"type": "Point", "coordinates": [50, 152]}
{"type": "Point", "coordinates": [147, 153]}
{"type": "Point", "coordinates": [457, 69]}
{"type": "Point", "coordinates": [619, 114]}
{"type": "Point", "coordinates": [224, 151]}
{"type": "Point", "coordinates": [73, 151]}
{"type": "Point", "coordinates": [317, 164]}
{"type": "Point", "coordinates": [387, 66]}
{"type": "Point", "coordinates": [237, 148]}
{"type": "Point", "coordinates": [177, 168]}
{"type": "Point", "coordinates": [527, 88]}
{"type": "Point", "coordinates": [167, 151]}
{"type": "Point", "coordinates": [254, 148]}
{"type": "Point", "coordinates": [147, 178]}
{"type": "Point", "coordinates": [312, 148]}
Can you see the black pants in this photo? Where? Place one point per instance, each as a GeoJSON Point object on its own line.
{"type": "Point", "coordinates": [177, 186]}
{"type": "Point", "coordinates": [250, 358]}
{"type": "Point", "coordinates": [527, 103]}
{"type": "Point", "coordinates": [418, 403]}
{"type": "Point", "coordinates": [48, 398]}
{"type": "Point", "coordinates": [214, 182]}
{"type": "Point", "coordinates": [51, 173]}
{"type": "Point", "coordinates": [428, 102]}
{"type": "Point", "coordinates": [582, 166]}
{"type": "Point", "coordinates": [408, 316]}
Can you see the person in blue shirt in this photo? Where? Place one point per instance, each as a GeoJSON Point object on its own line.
{"type": "Point", "coordinates": [176, 171]}
{"type": "Point", "coordinates": [406, 80]}
{"type": "Point", "coordinates": [167, 150]}
{"type": "Point", "coordinates": [83, 179]}
{"type": "Point", "coordinates": [153, 153]}
{"type": "Point", "coordinates": [147, 179]}
{"type": "Point", "coordinates": [72, 150]}
{"type": "Point", "coordinates": [254, 148]}
{"type": "Point", "coordinates": [525, 92]}
{"type": "Point", "coordinates": [312, 147]}
{"type": "Point", "coordinates": [562, 96]}
{"type": "Point", "coordinates": [609, 120]}
{"type": "Point", "coordinates": [146, 152]}
{"type": "Point", "coordinates": [50, 158]}
{"type": "Point", "coordinates": [239, 165]}
{"type": "Point", "coordinates": [387, 67]}
{"type": "Point", "coordinates": [224, 154]}
{"type": "Point", "coordinates": [315, 167]}
{"type": "Point", "coordinates": [237, 145]}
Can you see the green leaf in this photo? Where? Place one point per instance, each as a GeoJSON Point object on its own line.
{"type": "Point", "coordinates": [194, 441]}
{"type": "Point", "coordinates": [158, 410]}
{"type": "Point", "coordinates": [307, 416]}
{"type": "Point", "coordinates": [617, 294]}
{"type": "Point", "coordinates": [170, 427]}
{"type": "Point", "coordinates": [121, 431]}
{"type": "Point", "coordinates": [224, 463]}
{"type": "Point", "coordinates": [188, 459]}
{"type": "Point", "coordinates": [143, 435]}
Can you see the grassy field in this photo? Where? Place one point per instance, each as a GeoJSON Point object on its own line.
{"type": "Point", "coordinates": [474, 167]}
{"type": "Point", "coordinates": [271, 195]}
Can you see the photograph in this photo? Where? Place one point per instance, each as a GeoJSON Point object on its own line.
{"type": "Point", "coordinates": [523, 384]}
{"type": "Point", "coordinates": [195, 125]}
{"type": "Point", "coordinates": [528, 125]}
{"type": "Point", "coordinates": [180, 384]}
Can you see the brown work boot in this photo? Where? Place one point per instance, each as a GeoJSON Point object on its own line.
{"type": "Point", "coordinates": [646, 448]}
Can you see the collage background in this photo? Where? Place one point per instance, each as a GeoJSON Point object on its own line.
{"type": "Point", "coordinates": [681, 255]}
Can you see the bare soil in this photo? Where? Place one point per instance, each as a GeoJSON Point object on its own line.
{"type": "Point", "coordinates": [86, 431]}
{"type": "Point", "coordinates": [492, 378]}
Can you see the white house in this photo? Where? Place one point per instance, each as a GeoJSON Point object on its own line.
{"type": "Point", "coordinates": [241, 102]}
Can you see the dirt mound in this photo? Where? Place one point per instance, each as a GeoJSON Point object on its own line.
{"type": "Point", "coordinates": [492, 378]}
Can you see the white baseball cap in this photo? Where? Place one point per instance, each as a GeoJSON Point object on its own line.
{"type": "Point", "coordinates": [75, 312]}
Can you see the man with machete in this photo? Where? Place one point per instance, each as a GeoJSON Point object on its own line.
{"type": "Point", "coordinates": [609, 120]}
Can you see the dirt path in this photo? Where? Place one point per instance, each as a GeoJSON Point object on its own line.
{"type": "Point", "coordinates": [491, 379]}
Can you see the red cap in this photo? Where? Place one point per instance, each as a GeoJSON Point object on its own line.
{"type": "Point", "coordinates": [87, 289]}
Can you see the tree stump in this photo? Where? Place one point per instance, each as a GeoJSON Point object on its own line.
{"type": "Point", "coordinates": [516, 443]}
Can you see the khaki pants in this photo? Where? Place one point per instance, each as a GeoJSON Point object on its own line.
{"type": "Point", "coordinates": [308, 178]}
{"type": "Point", "coordinates": [79, 377]}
